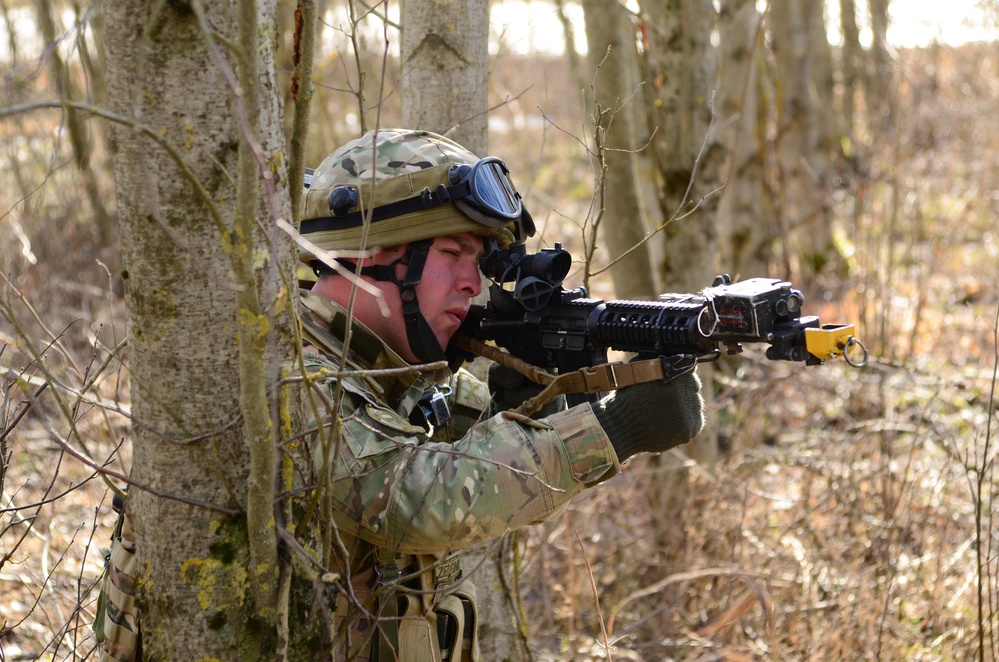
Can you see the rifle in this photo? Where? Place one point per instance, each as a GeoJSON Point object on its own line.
{"type": "Point", "coordinates": [535, 319]}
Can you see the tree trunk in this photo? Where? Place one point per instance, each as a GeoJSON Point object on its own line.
{"type": "Point", "coordinates": [852, 67]}
{"type": "Point", "coordinates": [679, 61]}
{"type": "Point", "coordinates": [445, 74]}
{"type": "Point", "coordinates": [571, 54]}
{"type": "Point", "coordinates": [804, 163]}
{"type": "Point", "coordinates": [879, 92]}
{"type": "Point", "coordinates": [445, 69]}
{"type": "Point", "coordinates": [618, 212]}
{"type": "Point", "coordinates": [746, 230]}
{"type": "Point", "coordinates": [211, 323]}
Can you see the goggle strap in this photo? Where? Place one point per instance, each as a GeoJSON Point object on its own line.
{"type": "Point", "coordinates": [376, 271]}
{"type": "Point", "coordinates": [526, 227]}
{"type": "Point", "coordinates": [426, 200]}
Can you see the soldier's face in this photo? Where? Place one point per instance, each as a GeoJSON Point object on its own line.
{"type": "Point", "coordinates": [450, 280]}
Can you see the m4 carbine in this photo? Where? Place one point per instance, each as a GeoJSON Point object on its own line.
{"type": "Point", "coordinates": [535, 319]}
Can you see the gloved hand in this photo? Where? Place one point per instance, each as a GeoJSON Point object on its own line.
{"type": "Point", "coordinates": [653, 417]}
{"type": "Point", "coordinates": [510, 389]}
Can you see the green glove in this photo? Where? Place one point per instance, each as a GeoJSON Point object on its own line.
{"type": "Point", "coordinates": [653, 417]}
{"type": "Point", "coordinates": [510, 389]}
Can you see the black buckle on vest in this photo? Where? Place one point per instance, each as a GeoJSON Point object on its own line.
{"type": "Point", "coordinates": [433, 406]}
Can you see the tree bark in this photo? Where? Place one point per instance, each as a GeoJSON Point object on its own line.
{"type": "Point", "coordinates": [618, 212]}
{"type": "Point", "coordinates": [804, 162]}
{"type": "Point", "coordinates": [746, 230]}
{"type": "Point", "coordinates": [301, 91]}
{"type": "Point", "coordinates": [680, 63]}
{"type": "Point", "coordinates": [445, 69]}
{"type": "Point", "coordinates": [211, 321]}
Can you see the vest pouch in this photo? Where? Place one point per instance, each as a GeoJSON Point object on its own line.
{"type": "Point", "coordinates": [450, 626]}
{"type": "Point", "coordinates": [372, 431]}
{"type": "Point", "coordinates": [457, 608]}
{"type": "Point", "coordinates": [102, 601]}
{"type": "Point", "coordinates": [121, 621]}
{"type": "Point", "coordinates": [417, 633]}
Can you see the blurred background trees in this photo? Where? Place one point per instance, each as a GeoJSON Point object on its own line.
{"type": "Point", "coordinates": [827, 514]}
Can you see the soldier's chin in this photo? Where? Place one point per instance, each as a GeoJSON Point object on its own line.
{"type": "Point", "coordinates": [445, 338]}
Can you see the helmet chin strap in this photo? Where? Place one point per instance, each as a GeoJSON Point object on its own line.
{"type": "Point", "coordinates": [422, 340]}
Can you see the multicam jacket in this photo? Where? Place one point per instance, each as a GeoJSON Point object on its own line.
{"type": "Point", "coordinates": [405, 498]}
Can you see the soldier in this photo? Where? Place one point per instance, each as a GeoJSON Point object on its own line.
{"type": "Point", "coordinates": [412, 481]}
{"type": "Point", "coordinates": [409, 492]}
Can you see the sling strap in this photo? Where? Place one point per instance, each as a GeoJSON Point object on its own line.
{"type": "Point", "coordinates": [591, 379]}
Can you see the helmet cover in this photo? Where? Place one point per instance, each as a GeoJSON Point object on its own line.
{"type": "Point", "coordinates": [386, 166]}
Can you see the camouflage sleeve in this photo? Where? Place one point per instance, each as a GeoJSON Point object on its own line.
{"type": "Point", "coordinates": [397, 491]}
{"type": "Point", "coordinates": [119, 620]}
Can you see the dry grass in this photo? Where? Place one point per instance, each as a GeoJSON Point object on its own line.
{"type": "Point", "coordinates": [841, 524]}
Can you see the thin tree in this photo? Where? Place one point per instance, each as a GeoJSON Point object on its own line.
{"type": "Point", "coordinates": [746, 230]}
{"type": "Point", "coordinates": [617, 217]}
{"type": "Point", "coordinates": [679, 62]}
{"type": "Point", "coordinates": [852, 59]}
{"type": "Point", "coordinates": [79, 135]}
{"type": "Point", "coordinates": [445, 89]}
{"type": "Point", "coordinates": [827, 132]}
{"type": "Point", "coordinates": [879, 91]}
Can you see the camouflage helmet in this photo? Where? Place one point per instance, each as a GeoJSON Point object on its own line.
{"type": "Point", "coordinates": [388, 170]}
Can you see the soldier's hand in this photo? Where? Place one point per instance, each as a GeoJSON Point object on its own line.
{"type": "Point", "coordinates": [653, 417]}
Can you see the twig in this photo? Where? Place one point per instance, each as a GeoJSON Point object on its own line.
{"type": "Point", "coordinates": [354, 20]}
{"type": "Point", "coordinates": [20, 414]}
{"type": "Point", "coordinates": [984, 477]}
{"type": "Point", "coordinates": [596, 597]}
{"type": "Point", "coordinates": [329, 258]}
{"type": "Point", "coordinates": [103, 471]}
{"type": "Point", "coordinates": [302, 91]}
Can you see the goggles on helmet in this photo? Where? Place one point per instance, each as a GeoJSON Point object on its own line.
{"type": "Point", "coordinates": [482, 190]}
{"type": "Point", "coordinates": [488, 188]}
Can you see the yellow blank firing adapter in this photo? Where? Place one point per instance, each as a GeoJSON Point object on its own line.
{"type": "Point", "coordinates": [832, 340]}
